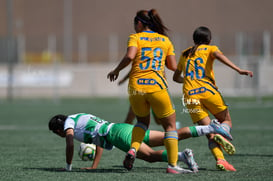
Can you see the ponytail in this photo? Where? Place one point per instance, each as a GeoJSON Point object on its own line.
{"type": "Point", "coordinates": [156, 23]}
{"type": "Point", "coordinates": [190, 52]}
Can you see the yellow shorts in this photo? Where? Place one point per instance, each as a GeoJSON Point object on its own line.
{"type": "Point", "coordinates": [199, 109]}
{"type": "Point", "coordinates": [159, 101]}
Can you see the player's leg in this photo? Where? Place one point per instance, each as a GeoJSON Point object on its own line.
{"type": "Point", "coordinates": [213, 146]}
{"type": "Point", "coordinates": [217, 107]}
{"type": "Point", "coordinates": [163, 108]}
{"type": "Point", "coordinates": [200, 115]}
{"type": "Point", "coordinates": [157, 137]}
{"type": "Point", "coordinates": [224, 118]}
{"type": "Point", "coordinates": [215, 149]}
{"type": "Point", "coordinates": [142, 110]}
{"type": "Point", "coordinates": [196, 131]}
{"type": "Point", "coordinates": [148, 154]}
{"type": "Point", "coordinates": [170, 138]}
{"type": "Point", "coordinates": [130, 116]}
{"type": "Point", "coordinates": [155, 118]}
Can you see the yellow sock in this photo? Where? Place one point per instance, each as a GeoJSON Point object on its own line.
{"type": "Point", "coordinates": [216, 150]}
{"type": "Point", "coordinates": [138, 135]}
{"type": "Point", "coordinates": [217, 153]}
{"type": "Point", "coordinates": [171, 144]}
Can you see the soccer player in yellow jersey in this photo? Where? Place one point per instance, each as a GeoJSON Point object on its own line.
{"type": "Point", "coordinates": [149, 50]}
{"type": "Point", "coordinates": [200, 93]}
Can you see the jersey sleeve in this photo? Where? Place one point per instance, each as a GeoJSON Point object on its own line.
{"type": "Point", "coordinates": [214, 49]}
{"type": "Point", "coordinates": [69, 123]}
{"type": "Point", "coordinates": [132, 41]}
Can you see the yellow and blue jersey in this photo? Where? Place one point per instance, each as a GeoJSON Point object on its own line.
{"type": "Point", "coordinates": [147, 72]}
{"type": "Point", "coordinates": [199, 81]}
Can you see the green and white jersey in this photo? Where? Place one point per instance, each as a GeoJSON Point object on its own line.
{"type": "Point", "coordinates": [89, 129]}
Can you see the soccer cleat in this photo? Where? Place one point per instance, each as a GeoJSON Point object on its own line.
{"type": "Point", "coordinates": [225, 144]}
{"type": "Point", "coordinates": [224, 165]}
{"type": "Point", "coordinates": [129, 159]}
{"type": "Point", "coordinates": [187, 157]}
{"type": "Point", "coordinates": [177, 170]}
{"type": "Point", "coordinates": [219, 129]}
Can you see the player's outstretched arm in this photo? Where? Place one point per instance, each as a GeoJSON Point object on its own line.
{"type": "Point", "coordinates": [222, 58]}
{"type": "Point", "coordinates": [97, 158]}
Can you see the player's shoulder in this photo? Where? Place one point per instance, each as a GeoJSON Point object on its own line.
{"type": "Point", "coordinates": [209, 47]}
{"type": "Point", "coordinates": [132, 35]}
{"type": "Point", "coordinates": [77, 115]}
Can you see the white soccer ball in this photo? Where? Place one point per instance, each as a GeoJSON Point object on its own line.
{"type": "Point", "coordinates": [87, 152]}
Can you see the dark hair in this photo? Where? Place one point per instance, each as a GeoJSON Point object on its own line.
{"type": "Point", "coordinates": [201, 35]}
{"type": "Point", "coordinates": [152, 20]}
{"type": "Point", "coordinates": [57, 122]}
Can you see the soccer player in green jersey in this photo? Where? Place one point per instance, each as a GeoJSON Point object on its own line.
{"type": "Point", "coordinates": [88, 128]}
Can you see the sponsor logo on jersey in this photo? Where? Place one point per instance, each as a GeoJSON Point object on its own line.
{"type": "Point", "coordinates": [146, 81]}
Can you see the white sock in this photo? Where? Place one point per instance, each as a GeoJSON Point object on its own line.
{"type": "Point", "coordinates": [181, 157]}
{"type": "Point", "coordinates": [203, 130]}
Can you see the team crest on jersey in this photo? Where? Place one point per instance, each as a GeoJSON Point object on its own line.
{"type": "Point", "coordinates": [146, 81]}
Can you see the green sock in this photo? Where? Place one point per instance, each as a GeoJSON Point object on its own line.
{"type": "Point", "coordinates": [164, 156]}
{"type": "Point", "coordinates": [193, 131]}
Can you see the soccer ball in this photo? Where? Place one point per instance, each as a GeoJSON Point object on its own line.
{"type": "Point", "coordinates": [87, 152]}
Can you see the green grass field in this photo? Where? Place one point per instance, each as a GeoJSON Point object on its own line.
{"type": "Point", "coordinates": [29, 151]}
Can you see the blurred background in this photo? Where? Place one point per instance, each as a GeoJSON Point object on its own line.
{"type": "Point", "coordinates": [66, 48]}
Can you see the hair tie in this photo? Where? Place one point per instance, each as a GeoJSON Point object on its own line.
{"type": "Point", "coordinates": [142, 20]}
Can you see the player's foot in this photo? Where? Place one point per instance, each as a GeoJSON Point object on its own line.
{"type": "Point", "coordinates": [177, 170]}
{"type": "Point", "coordinates": [224, 165]}
{"type": "Point", "coordinates": [129, 159]}
{"type": "Point", "coordinates": [225, 144]}
{"type": "Point", "coordinates": [220, 130]}
{"type": "Point", "coordinates": [187, 157]}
